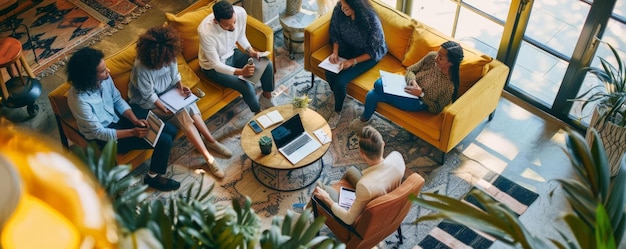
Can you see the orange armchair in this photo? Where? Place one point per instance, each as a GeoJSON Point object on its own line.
{"type": "Point", "coordinates": [381, 217]}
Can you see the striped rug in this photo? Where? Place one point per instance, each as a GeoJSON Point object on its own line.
{"type": "Point", "coordinates": [452, 235]}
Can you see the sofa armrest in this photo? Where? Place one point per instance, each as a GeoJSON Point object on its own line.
{"type": "Point", "coordinates": [471, 108]}
{"type": "Point", "coordinates": [260, 35]}
{"type": "Point", "coordinates": [316, 36]}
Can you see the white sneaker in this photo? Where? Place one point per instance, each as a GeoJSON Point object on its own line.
{"type": "Point", "coordinates": [333, 120]}
{"type": "Point", "coordinates": [265, 102]}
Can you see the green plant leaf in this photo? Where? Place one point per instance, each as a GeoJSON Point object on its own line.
{"type": "Point", "coordinates": [604, 232]}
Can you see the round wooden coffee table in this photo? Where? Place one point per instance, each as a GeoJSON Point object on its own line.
{"type": "Point", "coordinates": [274, 170]}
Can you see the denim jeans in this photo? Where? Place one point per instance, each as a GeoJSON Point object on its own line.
{"type": "Point", "coordinates": [377, 95]}
{"type": "Point", "coordinates": [161, 153]}
{"type": "Point", "coordinates": [339, 82]}
{"type": "Point", "coordinates": [238, 60]}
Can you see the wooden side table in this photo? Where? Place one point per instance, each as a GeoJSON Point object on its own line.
{"type": "Point", "coordinates": [274, 170]}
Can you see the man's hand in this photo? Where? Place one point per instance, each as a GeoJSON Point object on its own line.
{"type": "Point", "coordinates": [248, 70]}
{"type": "Point", "coordinates": [323, 196]}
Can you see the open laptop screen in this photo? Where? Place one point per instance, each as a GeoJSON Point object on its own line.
{"type": "Point", "coordinates": [287, 131]}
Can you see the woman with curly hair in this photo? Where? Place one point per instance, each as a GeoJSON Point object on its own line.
{"type": "Point", "coordinates": [155, 71]}
{"type": "Point", "coordinates": [356, 35]}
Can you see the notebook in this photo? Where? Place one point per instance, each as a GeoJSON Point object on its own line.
{"type": "Point", "coordinates": [293, 141]}
{"type": "Point", "coordinates": [259, 67]}
{"type": "Point", "coordinates": [394, 84]}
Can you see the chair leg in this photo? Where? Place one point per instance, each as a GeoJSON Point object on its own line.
{"type": "Point", "coordinates": [491, 115]}
{"type": "Point", "coordinates": [312, 81]}
{"type": "Point", "coordinates": [400, 233]}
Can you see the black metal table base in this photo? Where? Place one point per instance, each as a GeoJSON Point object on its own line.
{"type": "Point", "coordinates": [288, 179]}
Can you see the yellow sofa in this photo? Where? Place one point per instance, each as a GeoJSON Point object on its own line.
{"type": "Point", "coordinates": [482, 77]}
{"type": "Point", "coordinates": [120, 63]}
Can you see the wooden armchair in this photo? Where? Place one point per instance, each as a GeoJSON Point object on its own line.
{"type": "Point", "coordinates": [381, 217]}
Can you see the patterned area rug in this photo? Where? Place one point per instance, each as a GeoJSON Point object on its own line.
{"type": "Point", "coordinates": [455, 178]}
{"type": "Point", "coordinates": [51, 30]}
{"type": "Point", "coordinates": [55, 28]}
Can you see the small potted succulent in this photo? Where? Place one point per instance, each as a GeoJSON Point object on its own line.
{"type": "Point", "coordinates": [265, 143]}
{"type": "Point", "coordinates": [301, 102]}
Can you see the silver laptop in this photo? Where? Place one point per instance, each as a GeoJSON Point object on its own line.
{"type": "Point", "coordinates": [293, 141]}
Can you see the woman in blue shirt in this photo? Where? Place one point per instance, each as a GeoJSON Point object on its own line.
{"type": "Point", "coordinates": [102, 115]}
{"type": "Point", "coordinates": [356, 35]}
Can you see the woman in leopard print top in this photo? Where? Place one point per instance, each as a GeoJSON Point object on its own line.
{"type": "Point", "coordinates": [434, 79]}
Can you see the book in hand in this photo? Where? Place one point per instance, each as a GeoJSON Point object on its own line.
{"type": "Point", "coordinates": [259, 68]}
{"type": "Point", "coordinates": [155, 127]}
{"type": "Point", "coordinates": [346, 197]}
{"type": "Point", "coordinates": [269, 119]}
{"type": "Point", "coordinates": [394, 84]}
{"type": "Point", "coordinates": [326, 64]}
{"type": "Point", "coordinates": [175, 100]}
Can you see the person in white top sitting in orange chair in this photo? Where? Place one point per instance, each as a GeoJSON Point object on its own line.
{"type": "Point", "coordinates": [382, 175]}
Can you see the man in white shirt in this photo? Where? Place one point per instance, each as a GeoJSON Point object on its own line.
{"type": "Point", "coordinates": [222, 62]}
{"type": "Point", "coordinates": [382, 175]}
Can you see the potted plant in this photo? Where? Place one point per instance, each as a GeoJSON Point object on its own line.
{"type": "Point", "coordinates": [301, 103]}
{"type": "Point", "coordinates": [598, 202]}
{"type": "Point", "coordinates": [608, 115]}
{"type": "Point", "coordinates": [191, 219]}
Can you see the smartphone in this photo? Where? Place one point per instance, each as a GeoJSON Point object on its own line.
{"type": "Point", "coordinates": [255, 127]}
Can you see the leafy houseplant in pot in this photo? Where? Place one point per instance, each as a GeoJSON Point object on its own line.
{"type": "Point", "coordinates": [608, 115]}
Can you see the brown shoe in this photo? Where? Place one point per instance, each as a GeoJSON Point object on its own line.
{"type": "Point", "coordinates": [216, 169]}
{"type": "Point", "coordinates": [219, 148]}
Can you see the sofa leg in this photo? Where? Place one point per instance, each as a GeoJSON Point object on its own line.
{"type": "Point", "coordinates": [312, 81]}
{"type": "Point", "coordinates": [491, 115]}
{"type": "Point", "coordinates": [64, 141]}
{"type": "Point", "coordinates": [442, 158]}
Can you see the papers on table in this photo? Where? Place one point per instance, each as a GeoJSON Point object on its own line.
{"type": "Point", "coordinates": [346, 197]}
{"type": "Point", "coordinates": [322, 136]}
{"type": "Point", "coordinates": [259, 67]}
{"type": "Point", "coordinates": [175, 100]}
{"type": "Point", "coordinates": [330, 66]}
{"type": "Point", "coordinates": [269, 119]}
{"type": "Point", "coordinates": [155, 127]}
{"type": "Point", "coordinates": [394, 84]}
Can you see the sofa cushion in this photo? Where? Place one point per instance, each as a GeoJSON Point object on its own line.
{"type": "Point", "coordinates": [426, 39]}
{"type": "Point", "coordinates": [473, 67]}
{"type": "Point", "coordinates": [187, 75]}
{"type": "Point", "coordinates": [397, 27]}
{"type": "Point", "coordinates": [120, 64]}
{"type": "Point", "coordinates": [187, 27]}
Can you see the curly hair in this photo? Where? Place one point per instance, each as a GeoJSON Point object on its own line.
{"type": "Point", "coordinates": [455, 56]}
{"type": "Point", "coordinates": [82, 72]}
{"type": "Point", "coordinates": [158, 46]}
{"type": "Point", "coordinates": [371, 142]}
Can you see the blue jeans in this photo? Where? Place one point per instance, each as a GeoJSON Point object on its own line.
{"type": "Point", "coordinates": [161, 153]}
{"type": "Point", "coordinates": [238, 60]}
{"type": "Point", "coordinates": [377, 95]}
{"type": "Point", "coordinates": [339, 82]}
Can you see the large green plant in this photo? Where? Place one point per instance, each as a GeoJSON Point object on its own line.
{"type": "Point", "coordinates": [611, 97]}
{"type": "Point", "coordinates": [599, 203]}
{"type": "Point", "coordinates": [191, 219]}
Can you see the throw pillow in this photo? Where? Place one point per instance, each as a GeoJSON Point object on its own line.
{"type": "Point", "coordinates": [397, 27]}
{"type": "Point", "coordinates": [187, 26]}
